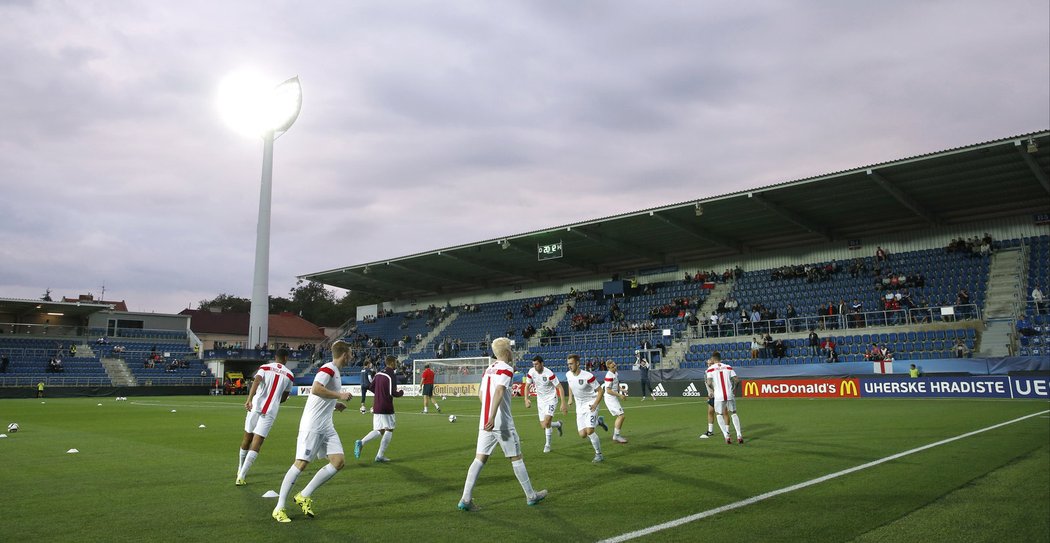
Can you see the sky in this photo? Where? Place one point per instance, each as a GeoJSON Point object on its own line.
{"type": "Point", "coordinates": [430, 124]}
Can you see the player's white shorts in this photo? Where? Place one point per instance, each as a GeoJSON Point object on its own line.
{"type": "Point", "coordinates": [318, 444]}
{"type": "Point", "coordinates": [383, 422]}
{"type": "Point", "coordinates": [545, 410]}
{"type": "Point", "coordinates": [506, 438]}
{"type": "Point", "coordinates": [584, 418]}
{"type": "Point", "coordinates": [720, 405]}
{"type": "Point", "coordinates": [612, 403]}
{"type": "Point", "coordinates": [258, 424]}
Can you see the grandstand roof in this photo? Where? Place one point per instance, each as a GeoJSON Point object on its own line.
{"type": "Point", "coordinates": [24, 307]}
{"type": "Point", "coordinates": [1000, 178]}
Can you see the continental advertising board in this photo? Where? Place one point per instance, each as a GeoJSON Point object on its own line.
{"type": "Point", "coordinates": [991, 386]}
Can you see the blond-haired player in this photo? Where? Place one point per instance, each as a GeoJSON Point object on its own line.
{"type": "Point", "coordinates": [497, 427]}
{"type": "Point", "coordinates": [612, 397]}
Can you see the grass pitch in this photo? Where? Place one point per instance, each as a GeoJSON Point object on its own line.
{"type": "Point", "coordinates": [145, 473]}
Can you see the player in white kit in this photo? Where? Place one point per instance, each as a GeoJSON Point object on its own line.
{"type": "Point", "coordinates": [269, 390]}
{"type": "Point", "coordinates": [721, 379]}
{"type": "Point", "coordinates": [497, 427]}
{"type": "Point", "coordinates": [587, 392]}
{"type": "Point", "coordinates": [317, 436]}
{"type": "Point", "coordinates": [613, 395]}
{"type": "Point", "coordinates": [548, 392]}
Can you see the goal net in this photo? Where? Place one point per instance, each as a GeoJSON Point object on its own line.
{"type": "Point", "coordinates": [452, 376]}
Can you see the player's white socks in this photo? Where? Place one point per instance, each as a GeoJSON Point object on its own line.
{"type": "Point", "coordinates": [547, 433]}
{"type": "Point", "coordinates": [383, 443]}
{"type": "Point", "coordinates": [436, 406]}
{"type": "Point", "coordinates": [240, 460]}
{"type": "Point", "coordinates": [286, 485]}
{"type": "Point", "coordinates": [322, 477]}
{"type": "Point", "coordinates": [736, 424]}
{"type": "Point", "coordinates": [723, 426]}
{"type": "Point", "coordinates": [472, 478]}
{"type": "Point", "coordinates": [556, 424]}
{"type": "Point", "coordinates": [371, 435]}
{"type": "Point", "coordinates": [247, 464]}
{"type": "Point", "coordinates": [523, 477]}
{"type": "Point", "coordinates": [596, 443]}
{"type": "Point", "coordinates": [616, 432]}
{"type": "Point", "coordinates": [710, 428]}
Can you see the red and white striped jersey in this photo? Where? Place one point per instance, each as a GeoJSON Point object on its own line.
{"type": "Point", "coordinates": [276, 379]}
{"type": "Point", "coordinates": [720, 377]}
{"type": "Point", "coordinates": [498, 374]}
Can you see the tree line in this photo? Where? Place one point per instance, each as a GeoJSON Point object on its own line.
{"type": "Point", "coordinates": [308, 299]}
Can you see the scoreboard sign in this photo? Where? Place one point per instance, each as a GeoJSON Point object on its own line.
{"type": "Point", "coordinates": [549, 251]}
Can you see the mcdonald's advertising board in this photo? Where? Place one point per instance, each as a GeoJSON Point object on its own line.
{"type": "Point", "coordinates": [986, 386]}
{"type": "Point", "coordinates": [801, 388]}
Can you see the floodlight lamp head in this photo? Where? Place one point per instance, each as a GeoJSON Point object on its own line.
{"type": "Point", "coordinates": [1032, 148]}
{"type": "Point", "coordinates": [250, 107]}
{"type": "Point", "coordinates": [699, 209]}
{"type": "Point", "coordinates": [504, 244]}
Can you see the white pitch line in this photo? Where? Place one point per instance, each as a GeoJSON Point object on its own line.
{"type": "Point", "coordinates": [755, 499]}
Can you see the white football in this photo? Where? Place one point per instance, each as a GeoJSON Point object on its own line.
{"type": "Point", "coordinates": [452, 418]}
{"type": "Point", "coordinates": [13, 427]}
{"type": "Point", "coordinates": [443, 398]}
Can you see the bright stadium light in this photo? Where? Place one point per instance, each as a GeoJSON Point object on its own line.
{"type": "Point", "coordinates": [249, 105]}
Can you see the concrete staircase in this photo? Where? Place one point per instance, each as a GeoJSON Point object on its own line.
{"type": "Point", "coordinates": [1005, 284]}
{"type": "Point", "coordinates": [434, 333]}
{"type": "Point", "coordinates": [118, 372]}
{"type": "Point", "coordinates": [677, 351]}
{"type": "Point", "coordinates": [551, 322]}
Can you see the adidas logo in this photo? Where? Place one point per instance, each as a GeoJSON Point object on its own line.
{"type": "Point", "coordinates": [691, 391]}
{"type": "Point", "coordinates": [659, 391]}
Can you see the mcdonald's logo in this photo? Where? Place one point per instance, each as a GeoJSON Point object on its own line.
{"type": "Point", "coordinates": [849, 388]}
{"type": "Point", "coordinates": [751, 389]}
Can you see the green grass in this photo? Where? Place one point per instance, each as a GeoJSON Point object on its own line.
{"type": "Point", "coordinates": [145, 473]}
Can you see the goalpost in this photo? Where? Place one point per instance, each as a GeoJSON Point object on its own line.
{"type": "Point", "coordinates": [452, 376]}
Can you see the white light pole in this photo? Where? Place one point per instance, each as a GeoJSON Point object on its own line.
{"type": "Point", "coordinates": [269, 114]}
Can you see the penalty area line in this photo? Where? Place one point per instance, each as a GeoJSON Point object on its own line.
{"type": "Point", "coordinates": [761, 497]}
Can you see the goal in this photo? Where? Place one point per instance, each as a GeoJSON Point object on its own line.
{"type": "Point", "coordinates": [452, 376]}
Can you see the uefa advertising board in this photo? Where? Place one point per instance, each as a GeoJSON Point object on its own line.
{"type": "Point", "coordinates": [989, 386]}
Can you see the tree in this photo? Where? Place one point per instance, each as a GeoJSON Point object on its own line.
{"type": "Point", "coordinates": [227, 304]}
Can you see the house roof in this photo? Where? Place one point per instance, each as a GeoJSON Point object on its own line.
{"type": "Point", "coordinates": [282, 325]}
{"type": "Point", "coordinates": [87, 298]}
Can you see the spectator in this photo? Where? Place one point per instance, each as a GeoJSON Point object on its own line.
{"type": "Point", "coordinates": [1039, 299]}
{"type": "Point", "coordinates": [814, 343]}
{"type": "Point", "coordinates": [755, 347]}
{"type": "Point", "coordinates": [828, 348]}
{"type": "Point", "coordinates": [880, 255]}
{"type": "Point", "coordinates": [960, 349]}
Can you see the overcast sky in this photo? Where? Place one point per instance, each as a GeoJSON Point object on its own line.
{"type": "Point", "coordinates": [429, 124]}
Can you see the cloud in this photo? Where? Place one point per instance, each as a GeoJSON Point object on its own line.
{"type": "Point", "coordinates": [432, 124]}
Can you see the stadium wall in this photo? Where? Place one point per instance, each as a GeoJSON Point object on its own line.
{"type": "Point", "coordinates": [101, 392]}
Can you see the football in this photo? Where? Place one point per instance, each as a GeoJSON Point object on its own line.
{"type": "Point", "coordinates": [452, 418]}
{"type": "Point", "coordinates": [13, 427]}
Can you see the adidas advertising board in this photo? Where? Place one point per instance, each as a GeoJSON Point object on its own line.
{"type": "Point", "coordinates": [692, 391]}
{"type": "Point", "coordinates": [659, 391]}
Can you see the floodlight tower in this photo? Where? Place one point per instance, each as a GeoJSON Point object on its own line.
{"type": "Point", "coordinates": [267, 114]}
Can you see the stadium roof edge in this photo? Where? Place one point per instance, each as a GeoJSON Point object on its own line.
{"type": "Point", "coordinates": [796, 212]}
